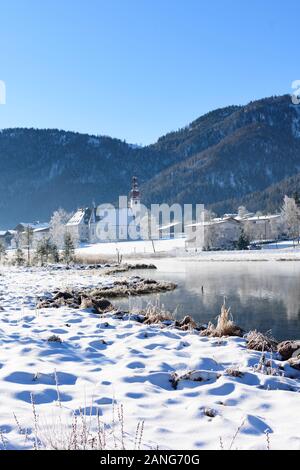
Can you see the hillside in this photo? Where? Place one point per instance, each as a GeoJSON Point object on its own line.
{"type": "Point", "coordinates": [42, 170]}
{"type": "Point", "coordinates": [270, 199]}
{"type": "Point", "coordinates": [220, 159]}
{"type": "Point", "coordinates": [254, 147]}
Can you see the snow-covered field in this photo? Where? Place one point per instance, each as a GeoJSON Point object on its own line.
{"type": "Point", "coordinates": [176, 248]}
{"type": "Point", "coordinates": [281, 245]}
{"type": "Point", "coordinates": [132, 247]}
{"type": "Point", "coordinates": [103, 359]}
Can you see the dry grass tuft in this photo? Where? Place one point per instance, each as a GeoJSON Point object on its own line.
{"type": "Point", "coordinates": [93, 258]}
{"type": "Point", "coordinates": [265, 366]}
{"type": "Point", "coordinates": [86, 303]}
{"type": "Point", "coordinates": [225, 325]}
{"type": "Point", "coordinates": [261, 342]}
{"type": "Point", "coordinates": [80, 430]}
{"type": "Point", "coordinates": [234, 372]}
{"type": "Point", "coordinates": [87, 432]}
{"type": "Point", "coordinates": [156, 313]}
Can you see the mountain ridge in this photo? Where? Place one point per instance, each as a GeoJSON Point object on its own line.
{"type": "Point", "coordinates": [219, 159]}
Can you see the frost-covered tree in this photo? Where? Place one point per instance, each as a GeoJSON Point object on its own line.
{"type": "Point", "coordinates": [58, 226]}
{"type": "Point", "coordinates": [249, 230]}
{"type": "Point", "coordinates": [209, 215]}
{"type": "Point", "coordinates": [210, 236]}
{"type": "Point", "coordinates": [2, 251]}
{"type": "Point", "coordinates": [17, 240]}
{"type": "Point", "coordinates": [242, 211]}
{"type": "Point", "coordinates": [296, 196]}
{"type": "Point", "coordinates": [291, 217]}
{"type": "Point", "coordinates": [277, 227]}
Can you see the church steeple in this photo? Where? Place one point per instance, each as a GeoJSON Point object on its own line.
{"type": "Point", "coordinates": [135, 195]}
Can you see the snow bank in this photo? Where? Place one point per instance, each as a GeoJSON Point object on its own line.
{"type": "Point", "coordinates": [101, 359]}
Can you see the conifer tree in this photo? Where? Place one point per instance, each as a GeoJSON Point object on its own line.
{"type": "Point", "coordinates": [243, 241]}
{"type": "Point", "coordinates": [45, 250]}
{"type": "Point", "coordinates": [19, 258]}
{"type": "Point", "coordinates": [68, 249]}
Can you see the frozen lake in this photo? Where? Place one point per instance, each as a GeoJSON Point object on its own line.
{"type": "Point", "coordinates": [262, 295]}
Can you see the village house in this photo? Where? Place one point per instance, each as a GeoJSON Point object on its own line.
{"type": "Point", "coordinates": [218, 233]}
{"type": "Point", "coordinates": [39, 232]}
{"type": "Point", "coordinates": [6, 237]}
{"type": "Point", "coordinates": [262, 227]}
{"type": "Point", "coordinates": [78, 226]}
{"type": "Point", "coordinates": [34, 226]}
{"type": "Point", "coordinates": [221, 233]}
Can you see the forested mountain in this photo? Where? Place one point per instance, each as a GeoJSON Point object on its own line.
{"type": "Point", "coordinates": [246, 150]}
{"type": "Point", "coordinates": [229, 156]}
{"type": "Point", "coordinates": [270, 199]}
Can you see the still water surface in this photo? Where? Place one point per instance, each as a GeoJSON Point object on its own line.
{"type": "Point", "coordinates": [262, 295]}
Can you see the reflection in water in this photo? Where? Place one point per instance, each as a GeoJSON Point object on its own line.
{"type": "Point", "coordinates": [262, 295]}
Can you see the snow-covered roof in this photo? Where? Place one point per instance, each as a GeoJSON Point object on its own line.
{"type": "Point", "coordinates": [77, 218]}
{"type": "Point", "coordinates": [3, 233]}
{"type": "Point", "coordinates": [170, 225]}
{"type": "Point", "coordinates": [244, 216]}
{"type": "Point", "coordinates": [262, 217]}
{"type": "Point", "coordinates": [42, 229]}
{"type": "Point", "coordinates": [86, 215]}
{"type": "Point", "coordinates": [34, 225]}
{"type": "Point", "coordinates": [214, 222]}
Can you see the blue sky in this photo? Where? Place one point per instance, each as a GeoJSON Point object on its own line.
{"type": "Point", "coordinates": [136, 69]}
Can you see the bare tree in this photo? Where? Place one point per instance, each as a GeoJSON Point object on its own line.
{"type": "Point", "coordinates": [17, 238]}
{"type": "Point", "coordinates": [209, 215]}
{"type": "Point", "coordinates": [210, 236]}
{"type": "Point", "coordinates": [249, 230]}
{"type": "Point", "coordinates": [58, 223]}
{"type": "Point", "coordinates": [276, 228]}
{"type": "Point", "coordinates": [27, 237]}
{"type": "Point", "coordinates": [242, 212]}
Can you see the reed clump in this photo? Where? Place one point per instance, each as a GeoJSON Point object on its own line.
{"type": "Point", "coordinates": [155, 313]}
{"type": "Point", "coordinates": [225, 325]}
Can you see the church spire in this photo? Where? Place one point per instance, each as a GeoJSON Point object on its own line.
{"type": "Point", "coordinates": [135, 192]}
{"type": "Point", "coordinates": [135, 195]}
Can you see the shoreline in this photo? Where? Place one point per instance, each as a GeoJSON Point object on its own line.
{"type": "Point", "coordinates": [132, 251]}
